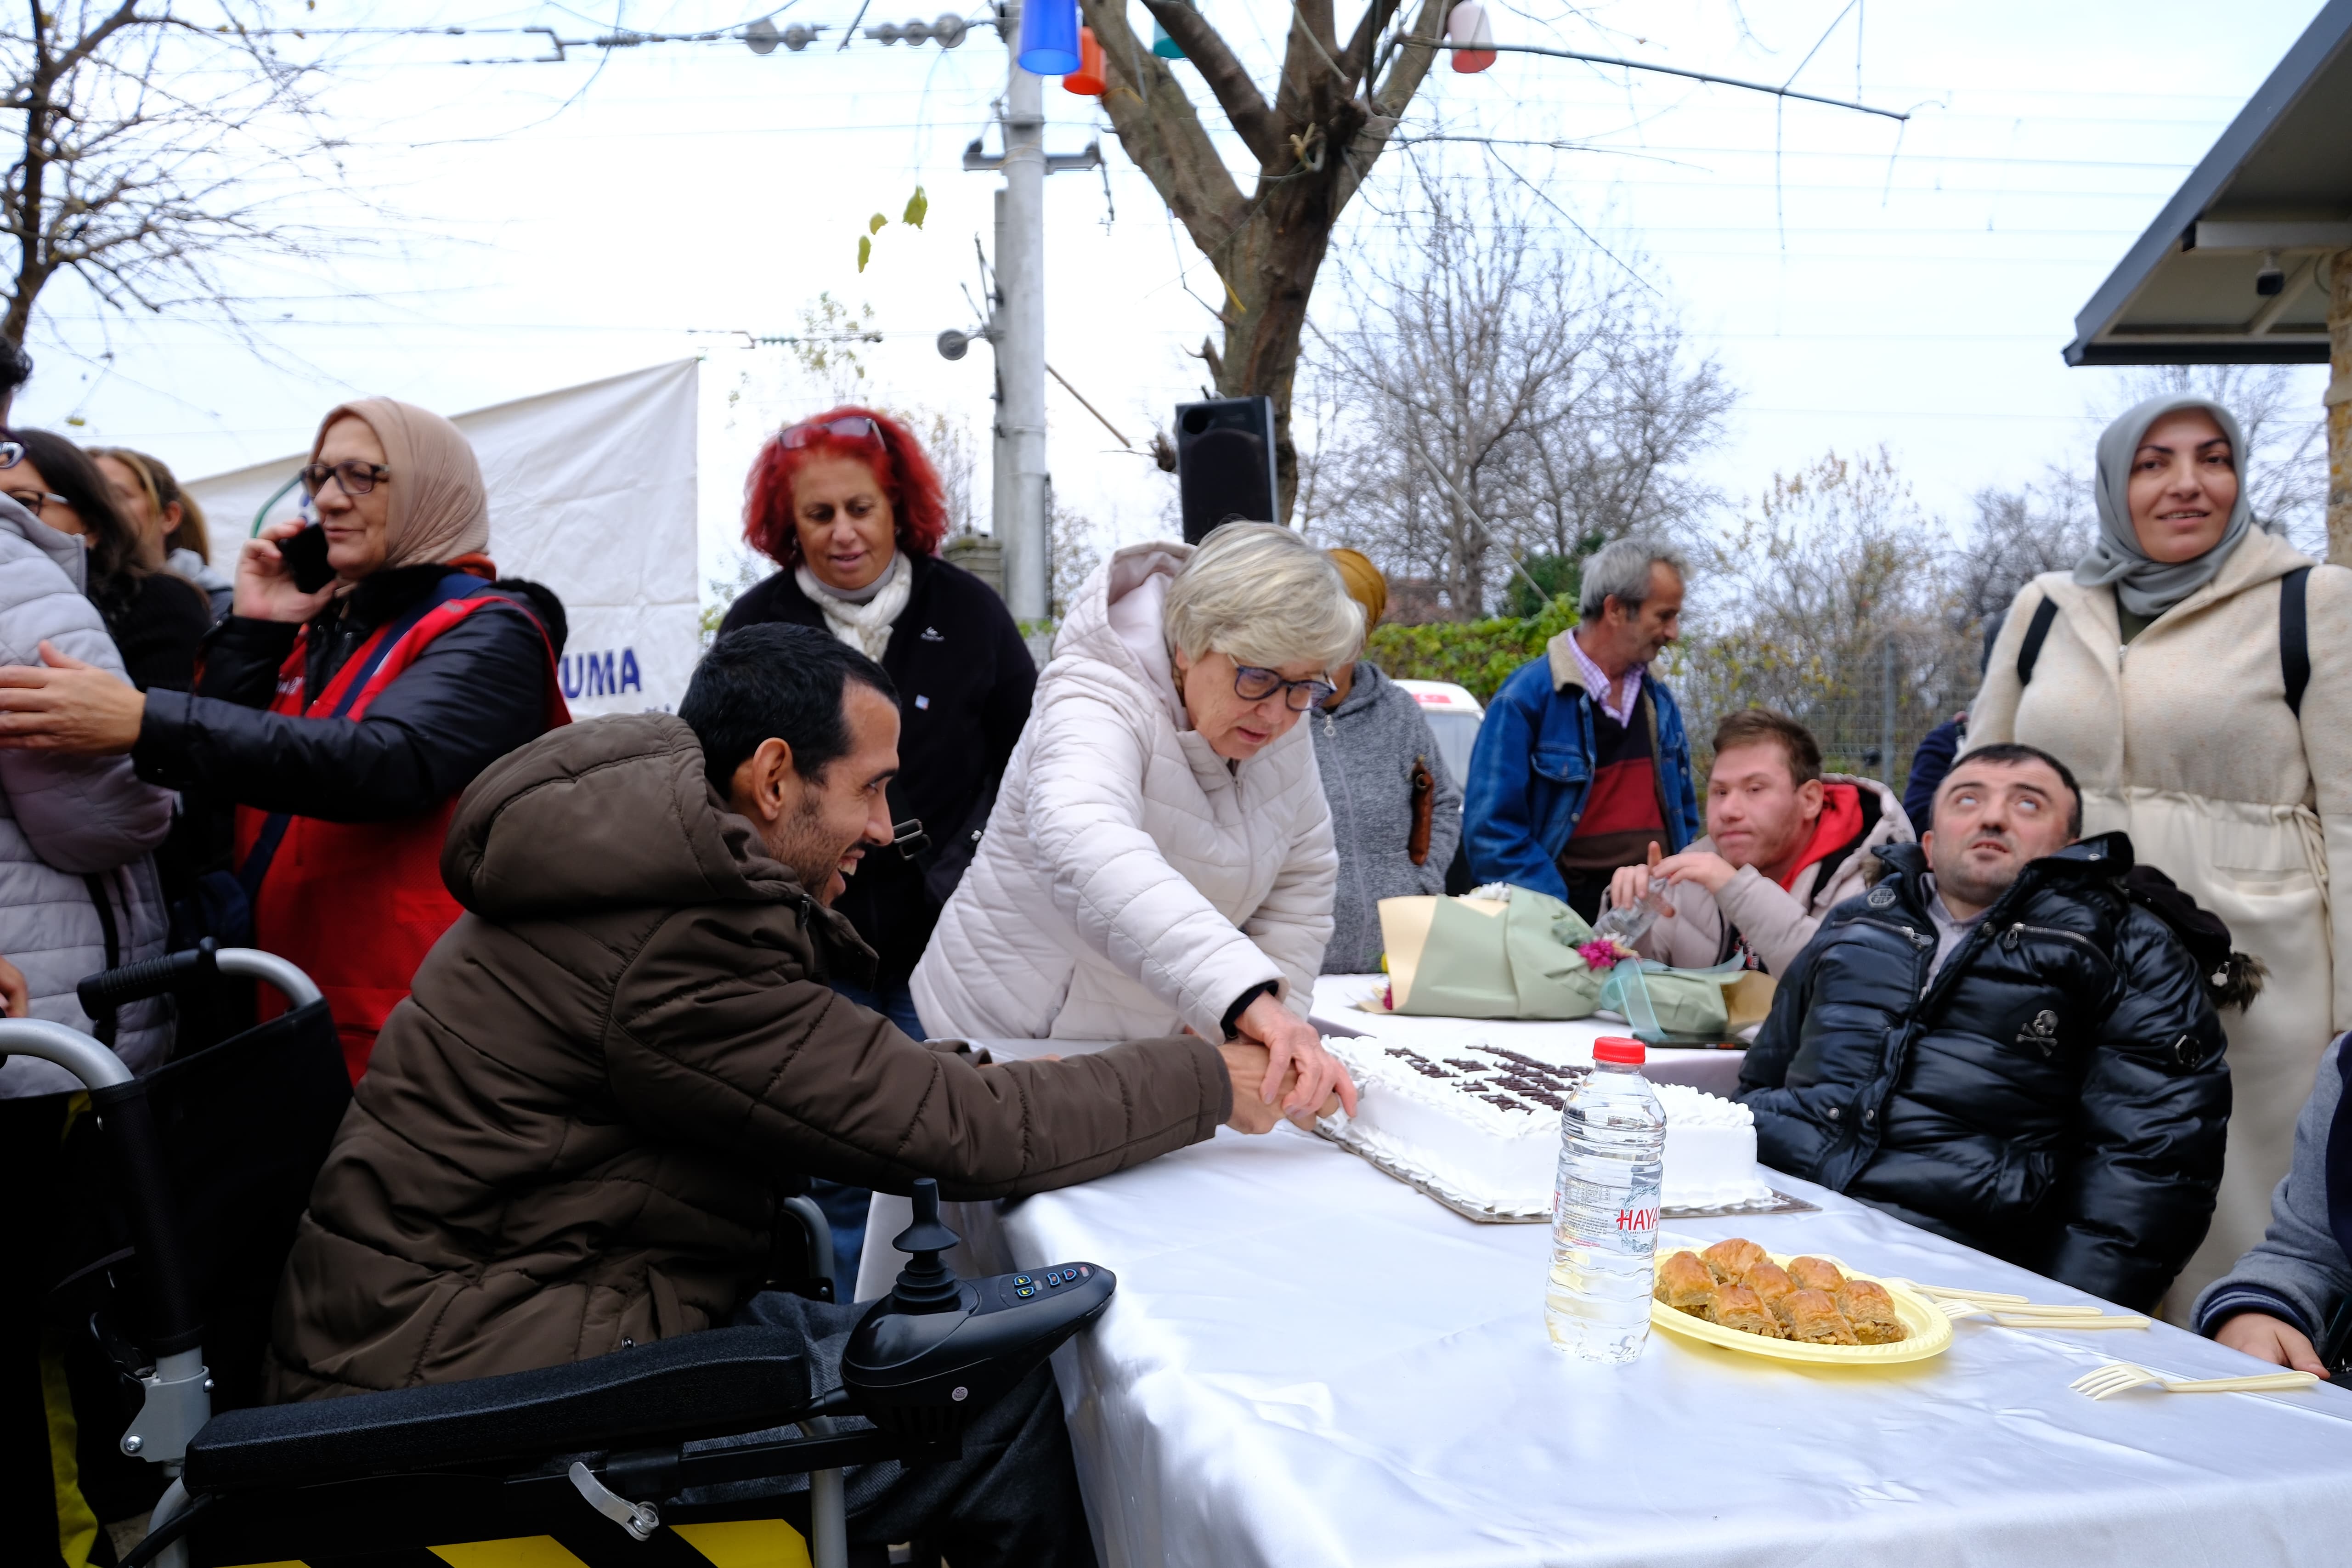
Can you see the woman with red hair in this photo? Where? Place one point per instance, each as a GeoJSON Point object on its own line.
{"type": "Point", "coordinates": [850, 508]}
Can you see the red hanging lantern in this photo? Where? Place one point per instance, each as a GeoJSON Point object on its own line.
{"type": "Point", "coordinates": [1087, 81]}
{"type": "Point", "coordinates": [1466, 24]}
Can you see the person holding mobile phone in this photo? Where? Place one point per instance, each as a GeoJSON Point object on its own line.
{"type": "Point", "coordinates": [342, 718]}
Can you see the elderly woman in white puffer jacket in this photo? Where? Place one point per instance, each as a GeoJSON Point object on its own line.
{"type": "Point", "coordinates": [1160, 857]}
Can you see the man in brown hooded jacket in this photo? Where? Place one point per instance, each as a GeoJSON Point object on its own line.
{"type": "Point", "coordinates": [574, 1132]}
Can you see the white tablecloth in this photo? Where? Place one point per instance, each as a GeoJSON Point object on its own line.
{"type": "Point", "coordinates": [1308, 1363]}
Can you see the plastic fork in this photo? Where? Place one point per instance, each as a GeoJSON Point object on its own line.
{"type": "Point", "coordinates": [2060, 1319]}
{"type": "Point", "coordinates": [2001, 1300]}
{"type": "Point", "coordinates": [2116, 1376]}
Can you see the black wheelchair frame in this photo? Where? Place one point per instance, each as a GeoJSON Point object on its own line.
{"type": "Point", "coordinates": [601, 1455]}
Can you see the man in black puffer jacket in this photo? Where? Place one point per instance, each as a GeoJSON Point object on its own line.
{"type": "Point", "coordinates": [2005, 1050]}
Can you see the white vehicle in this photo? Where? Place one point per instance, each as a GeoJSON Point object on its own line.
{"type": "Point", "coordinates": [1453, 717]}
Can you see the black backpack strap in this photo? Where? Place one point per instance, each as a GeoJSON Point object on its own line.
{"type": "Point", "coordinates": [2294, 635]}
{"type": "Point", "coordinates": [2036, 631]}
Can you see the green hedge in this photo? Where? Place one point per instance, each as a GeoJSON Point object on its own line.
{"type": "Point", "coordinates": [1479, 655]}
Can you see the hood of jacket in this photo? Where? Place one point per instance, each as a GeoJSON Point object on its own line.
{"type": "Point", "coordinates": [1117, 622]}
{"type": "Point", "coordinates": [63, 550]}
{"type": "Point", "coordinates": [612, 813]}
{"type": "Point", "coordinates": [1363, 690]}
{"type": "Point", "coordinates": [1888, 825]}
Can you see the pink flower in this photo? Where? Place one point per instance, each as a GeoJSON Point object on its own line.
{"type": "Point", "coordinates": [1605, 953]}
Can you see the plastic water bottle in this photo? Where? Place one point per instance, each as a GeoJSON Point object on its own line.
{"type": "Point", "coordinates": [1604, 1211]}
{"type": "Point", "coordinates": [1632, 923]}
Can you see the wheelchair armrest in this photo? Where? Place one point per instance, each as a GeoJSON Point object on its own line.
{"type": "Point", "coordinates": [714, 1383]}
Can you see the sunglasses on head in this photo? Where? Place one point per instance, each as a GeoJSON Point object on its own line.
{"type": "Point", "coordinates": [851, 427]}
{"type": "Point", "coordinates": [11, 451]}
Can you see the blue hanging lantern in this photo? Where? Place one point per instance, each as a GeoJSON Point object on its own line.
{"type": "Point", "coordinates": [1049, 36]}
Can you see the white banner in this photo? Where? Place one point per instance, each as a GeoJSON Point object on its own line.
{"type": "Point", "coordinates": [592, 493]}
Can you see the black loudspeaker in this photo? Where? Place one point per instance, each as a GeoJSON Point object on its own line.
{"type": "Point", "coordinates": [1224, 462]}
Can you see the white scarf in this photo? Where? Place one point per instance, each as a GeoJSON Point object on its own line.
{"type": "Point", "coordinates": [865, 625]}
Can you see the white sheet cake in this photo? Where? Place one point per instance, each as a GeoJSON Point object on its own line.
{"type": "Point", "coordinates": [1481, 1125]}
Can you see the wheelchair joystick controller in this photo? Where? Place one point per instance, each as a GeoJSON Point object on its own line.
{"type": "Point", "coordinates": [925, 1284]}
{"type": "Point", "coordinates": [937, 1350]}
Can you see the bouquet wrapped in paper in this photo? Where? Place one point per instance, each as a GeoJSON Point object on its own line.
{"type": "Point", "coordinates": [1517, 953]}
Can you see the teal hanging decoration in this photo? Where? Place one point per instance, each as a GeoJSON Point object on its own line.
{"type": "Point", "coordinates": [1166, 47]}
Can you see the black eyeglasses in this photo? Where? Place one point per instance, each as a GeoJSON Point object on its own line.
{"type": "Point", "coordinates": [853, 427]}
{"type": "Point", "coordinates": [1252, 684]}
{"type": "Point", "coordinates": [32, 501]}
{"type": "Point", "coordinates": [356, 478]}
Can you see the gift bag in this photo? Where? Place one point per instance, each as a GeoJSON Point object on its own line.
{"type": "Point", "coordinates": [1488, 958]}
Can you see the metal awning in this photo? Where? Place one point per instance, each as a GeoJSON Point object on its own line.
{"type": "Point", "coordinates": [2230, 273]}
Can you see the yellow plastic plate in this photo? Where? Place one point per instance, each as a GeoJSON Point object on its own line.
{"type": "Point", "coordinates": [1931, 1331]}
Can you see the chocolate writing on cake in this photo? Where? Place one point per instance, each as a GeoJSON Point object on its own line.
{"type": "Point", "coordinates": [1503, 1079]}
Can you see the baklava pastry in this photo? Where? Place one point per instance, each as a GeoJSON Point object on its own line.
{"type": "Point", "coordinates": [1870, 1311]}
{"type": "Point", "coordinates": [1816, 1274]}
{"type": "Point", "coordinates": [1771, 1282]}
{"type": "Point", "coordinates": [1684, 1284]}
{"type": "Point", "coordinates": [1732, 1260]}
{"type": "Point", "coordinates": [1736, 1306]}
{"type": "Point", "coordinates": [1811, 1317]}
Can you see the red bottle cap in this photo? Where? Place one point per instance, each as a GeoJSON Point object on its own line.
{"type": "Point", "coordinates": [1618, 1051]}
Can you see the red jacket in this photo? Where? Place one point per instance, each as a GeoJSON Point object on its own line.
{"type": "Point", "coordinates": [357, 904]}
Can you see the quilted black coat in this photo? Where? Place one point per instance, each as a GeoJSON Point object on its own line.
{"type": "Point", "coordinates": [2055, 1095]}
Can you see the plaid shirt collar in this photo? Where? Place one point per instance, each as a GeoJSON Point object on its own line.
{"type": "Point", "coordinates": [1617, 700]}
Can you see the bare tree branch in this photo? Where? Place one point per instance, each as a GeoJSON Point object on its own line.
{"type": "Point", "coordinates": [1245, 106]}
{"type": "Point", "coordinates": [1499, 398]}
{"type": "Point", "coordinates": [142, 190]}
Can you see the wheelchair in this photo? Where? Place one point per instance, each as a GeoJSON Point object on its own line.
{"type": "Point", "coordinates": [207, 1164]}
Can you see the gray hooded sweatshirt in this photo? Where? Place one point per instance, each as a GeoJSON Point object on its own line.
{"type": "Point", "coordinates": [1366, 748]}
{"type": "Point", "coordinates": [2297, 1271]}
{"type": "Point", "coordinates": [72, 829]}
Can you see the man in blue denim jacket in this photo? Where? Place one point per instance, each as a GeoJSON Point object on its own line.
{"type": "Point", "coordinates": [1583, 763]}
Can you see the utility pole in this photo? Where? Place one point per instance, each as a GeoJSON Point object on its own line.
{"type": "Point", "coordinates": [1021, 343]}
{"type": "Point", "coordinates": [1016, 326]}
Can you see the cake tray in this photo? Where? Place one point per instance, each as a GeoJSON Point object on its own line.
{"type": "Point", "coordinates": [1486, 1214]}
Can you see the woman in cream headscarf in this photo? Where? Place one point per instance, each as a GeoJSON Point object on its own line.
{"type": "Point", "coordinates": [2160, 681]}
{"type": "Point", "coordinates": [343, 722]}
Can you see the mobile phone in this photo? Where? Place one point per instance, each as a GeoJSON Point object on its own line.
{"type": "Point", "coordinates": [305, 554]}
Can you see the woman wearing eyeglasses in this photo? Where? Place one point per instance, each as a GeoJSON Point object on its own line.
{"type": "Point", "coordinates": [344, 720]}
{"type": "Point", "coordinates": [1159, 858]}
{"type": "Point", "coordinates": [851, 508]}
{"type": "Point", "coordinates": [78, 881]}
{"type": "Point", "coordinates": [156, 617]}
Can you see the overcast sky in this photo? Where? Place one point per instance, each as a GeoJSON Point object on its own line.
{"type": "Point", "coordinates": [1866, 284]}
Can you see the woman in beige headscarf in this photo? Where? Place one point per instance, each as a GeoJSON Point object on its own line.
{"type": "Point", "coordinates": [343, 721]}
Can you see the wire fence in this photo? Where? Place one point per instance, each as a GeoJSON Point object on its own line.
{"type": "Point", "coordinates": [1868, 709]}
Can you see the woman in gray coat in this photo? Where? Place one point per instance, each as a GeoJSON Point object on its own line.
{"type": "Point", "coordinates": [78, 892]}
{"type": "Point", "coordinates": [78, 889]}
{"type": "Point", "coordinates": [1396, 811]}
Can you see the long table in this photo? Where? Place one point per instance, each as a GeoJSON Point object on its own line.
{"type": "Point", "coordinates": [1308, 1363]}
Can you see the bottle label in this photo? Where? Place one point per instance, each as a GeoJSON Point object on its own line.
{"type": "Point", "coordinates": [1626, 1218]}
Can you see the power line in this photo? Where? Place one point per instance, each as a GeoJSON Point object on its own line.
{"type": "Point", "coordinates": [1782, 92]}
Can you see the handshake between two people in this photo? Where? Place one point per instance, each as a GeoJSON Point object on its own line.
{"type": "Point", "coordinates": [1280, 1070]}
